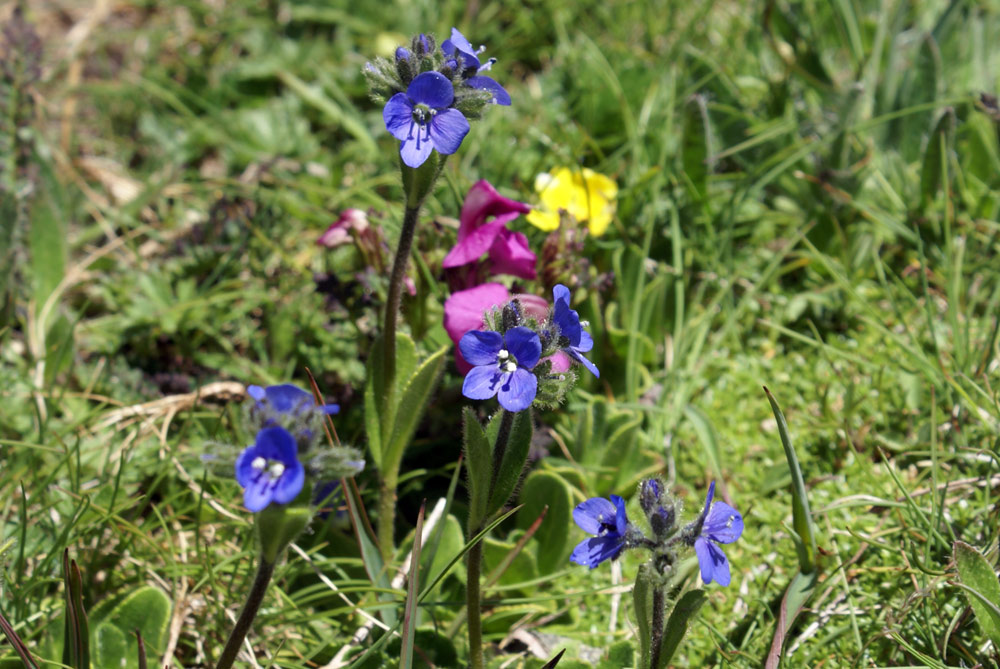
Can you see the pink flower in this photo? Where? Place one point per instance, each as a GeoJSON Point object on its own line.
{"type": "Point", "coordinates": [464, 310]}
{"type": "Point", "coordinates": [338, 234]}
{"type": "Point", "coordinates": [508, 251]}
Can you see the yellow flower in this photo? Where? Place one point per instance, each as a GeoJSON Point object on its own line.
{"type": "Point", "coordinates": [584, 194]}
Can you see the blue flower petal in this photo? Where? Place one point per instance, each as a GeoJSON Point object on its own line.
{"type": "Point", "coordinates": [484, 83]}
{"type": "Point", "coordinates": [286, 397]}
{"type": "Point", "coordinates": [481, 382]}
{"type": "Point", "coordinates": [277, 443]}
{"type": "Point", "coordinates": [402, 53]}
{"type": "Point", "coordinates": [723, 524]}
{"type": "Point", "coordinates": [289, 484]}
{"type": "Point", "coordinates": [586, 342]}
{"type": "Point", "coordinates": [257, 393]}
{"type": "Point", "coordinates": [480, 347]}
{"type": "Point", "coordinates": [621, 520]}
{"type": "Point", "coordinates": [330, 409]}
{"type": "Point", "coordinates": [592, 552]}
{"type": "Point", "coordinates": [592, 513]}
{"type": "Point", "coordinates": [462, 46]}
{"type": "Point", "coordinates": [258, 494]}
{"type": "Point", "coordinates": [245, 473]}
{"type": "Point", "coordinates": [524, 345]}
{"type": "Point", "coordinates": [415, 151]}
{"type": "Point", "coordinates": [447, 130]}
{"type": "Point", "coordinates": [591, 367]}
{"type": "Point", "coordinates": [517, 390]}
{"type": "Point", "coordinates": [713, 562]}
{"type": "Point", "coordinates": [398, 116]}
{"type": "Point", "coordinates": [432, 89]}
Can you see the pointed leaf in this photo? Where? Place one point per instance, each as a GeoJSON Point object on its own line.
{"type": "Point", "coordinates": [642, 599]}
{"type": "Point", "coordinates": [935, 156]}
{"type": "Point", "coordinates": [410, 612]}
{"type": "Point", "coordinates": [798, 593]}
{"type": "Point", "coordinates": [512, 464]}
{"type": "Point", "coordinates": [546, 489]}
{"type": "Point", "coordinates": [412, 402]}
{"type": "Point", "coordinates": [551, 664]}
{"type": "Point", "coordinates": [696, 146]}
{"type": "Point", "coordinates": [477, 464]}
{"type": "Point", "coordinates": [16, 643]}
{"type": "Point", "coordinates": [801, 516]}
{"type": "Point", "coordinates": [379, 419]}
{"type": "Point", "coordinates": [677, 624]}
{"type": "Point", "coordinates": [370, 555]}
{"type": "Point", "coordinates": [983, 588]}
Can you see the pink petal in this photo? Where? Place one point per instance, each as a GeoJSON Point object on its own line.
{"type": "Point", "coordinates": [463, 311]}
{"type": "Point", "coordinates": [510, 255]}
{"type": "Point", "coordinates": [483, 201]}
{"type": "Point", "coordinates": [474, 244]}
{"type": "Point", "coordinates": [560, 362]}
{"type": "Point", "coordinates": [535, 306]}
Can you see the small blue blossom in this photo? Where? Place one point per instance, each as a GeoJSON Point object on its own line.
{"type": "Point", "coordinates": [606, 520]}
{"type": "Point", "coordinates": [573, 339]}
{"type": "Point", "coordinates": [422, 120]}
{"type": "Point", "coordinates": [466, 58]}
{"type": "Point", "coordinates": [502, 366]}
{"type": "Point", "coordinates": [719, 523]}
{"type": "Point", "coordinates": [269, 470]}
{"type": "Point", "coordinates": [287, 399]}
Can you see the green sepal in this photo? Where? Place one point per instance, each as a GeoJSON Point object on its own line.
{"type": "Point", "coordinates": [418, 182]}
{"type": "Point", "coordinates": [277, 526]}
{"type": "Point", "coordinates": [514, 457]}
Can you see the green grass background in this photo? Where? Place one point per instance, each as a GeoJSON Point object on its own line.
{"type": "Point", "coordinates": [808, 200]}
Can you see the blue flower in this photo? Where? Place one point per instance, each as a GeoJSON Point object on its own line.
{"type": "Point", "coordinates": [606, 520]}
{"type": "Point", "coordinates": [421, 119]}
{"type": "Point", "coordinates": [270, 471]}
{"type": "Point", "coordinates": [287, 399]}
{"type": "Point", "coordinates": [661, 518]}
{"type": "Point", "coordinates": [460, 49]}
{"type": "Point", "coordinates": [501, 366]}
{"type": "Point", "coordinates": [573, 339]}
{"type": "Point", "coordinates": [719, 524]}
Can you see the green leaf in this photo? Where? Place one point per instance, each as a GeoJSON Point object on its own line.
{"type": "Point", "coordinates": [677, 624]}
{"type": "Point", "coordinates": [545, 489]}
{"type": "Point", "coordinates": [982, 588]}
{"type": "Point", "coordinates": [410, 409]}
{"type": "Point", "coordinates": [706, 435]}
{"type": "Point", "coordinates": [146, 609]}
{"type": "Point", "coordinates": [620, 654]}
{"type": "Point", "coordinates": [796, 595]}
{"type": "Point", "coordinates": [111, 646]}
{"type": "Point", "coordinates": [370, 555]}
{"type": "Point", "coordinates": [512, 464]}
{"type": "Point", "coordinates": [277, 526]}
{"type": "Point", "coordinates": [801, 516]}
{"type": "Point", "coordinates": [46, 234]}
{"type": "Point", "coordinates": [76, 648]}
{"type": "Point", "coordinates": [696, 146]}
{"type": "Point", "coordinates": [412, 588]}
{"type": "Point", "coordinates": [378, 417]}
{"type": "Point", "coordinates": [935, 157]}
{"type": "Point", "coordinates": [642, 599]}
{"type": "Point", "coordinates": [451, 541]}
{"type": "Point", "coordinates": [477, 464]}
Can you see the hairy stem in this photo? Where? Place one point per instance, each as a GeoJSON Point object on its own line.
{"type": "Point", "coordinates": [265, 570]}
{"type": "Point", "coordinates": [657, 628]}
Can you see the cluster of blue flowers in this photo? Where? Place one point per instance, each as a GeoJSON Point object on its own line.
{"type": "Point", "coordinates": [287, 422]}
{"type": "Point", "coordinates": [431, 94]}
{"type": "Point", "coordinates": [717, 524]}
{"type": "Point", "coordinates": [511, 360]}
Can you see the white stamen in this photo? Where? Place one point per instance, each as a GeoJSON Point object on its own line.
{"type": "Point", "coordinates": [276, 470]}
{"type": "Point", "coordinates": [510, 366]}
{"type": "Point", "coordinates": [503, 354]}
{"type": "Point", "coordinates": [259, 463]}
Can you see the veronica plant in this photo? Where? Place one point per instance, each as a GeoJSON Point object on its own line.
{"type": "Point", "coordinates": [430, 95]}
{"type": "Point", "coordinates": [511, 360]}
{"type": "Point", "coordinates": [718, 523]}
{"type": "Point", "coordinates": [277, 472]}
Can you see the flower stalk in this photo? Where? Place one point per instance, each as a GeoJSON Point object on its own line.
{"type": "Point", "coordinates": [265, 570]}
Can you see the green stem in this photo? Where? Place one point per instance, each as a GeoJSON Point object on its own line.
{"type": "Point", "coordinates": [265, 570]}
{"type": "Point", "coordinates": [387, 511]}
{"type": "Point", "coordinates": [475, 565]}
{"type": "Point", "coordinates": [472, 605]}
{"type": "Point", "coordinates": [657, 628]}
